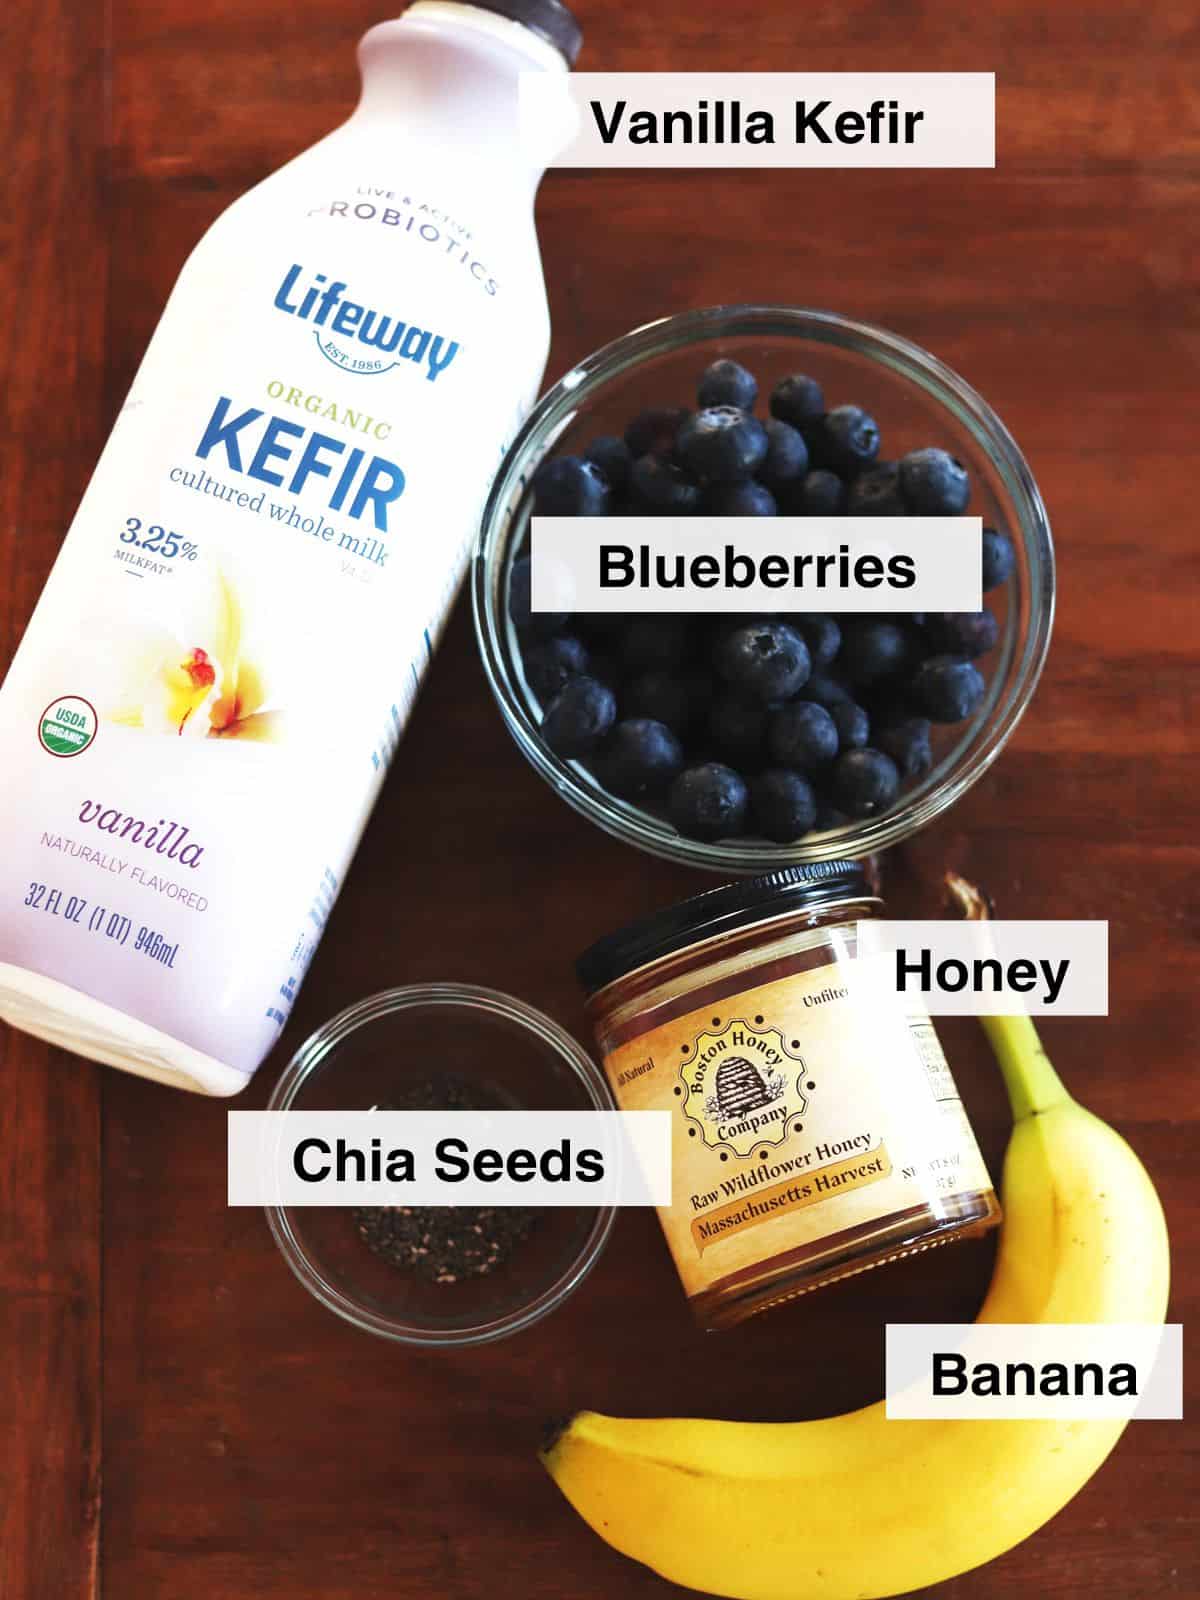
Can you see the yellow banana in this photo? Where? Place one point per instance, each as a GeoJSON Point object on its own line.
{"type": "Point", "coordinates": [858, 1507]}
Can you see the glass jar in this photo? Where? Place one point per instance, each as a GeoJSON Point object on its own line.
{"type": "Point", "coordinates": [816, 1128]}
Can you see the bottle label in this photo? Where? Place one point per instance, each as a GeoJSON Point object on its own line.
{"type": "Point", "coordinates": [804, 1112]}
{"type": "Point", "coordinates": [219, 669]}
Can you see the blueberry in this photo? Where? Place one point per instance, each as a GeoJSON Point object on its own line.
{"type": "Point", "coordinates": [653, 432]}
{"type": "Point", "coordinates": [614, 459]}
{"type": "Point", "coordinates": [747, 499]}
{"type": "Point", "coordinates": [999, 559]}
{"type": "Point", "coordinates": [934, 484]}
{"type": "Point", "coordinates": [605, 669]}
{"type": "Point", "coordinates": [821, 634]}
{"type": "Point", "coordinates": [853, 725]}
{"type": "Point", "coordinates": [701, 687]}
{"type": "Point", "coordinates": [874, 648]}
{"type": "Point", "coordinates": [803, 736]}
{"type": "Point", "coordinates": [846, 441]}
{"type": "Point", "coordinates": [827, 691]}
{"type": "Point", "coordinates": [708, 802]}
{"type": "Point", "coordinates": [524, 619]}
{"type": "Point", "coordinates": [660, 485]}
{"type": "Point", "coordinates": [865, 782]}
{"type": "Point", "coordinates": [767, 660]}
{"type": "Point", "coordinates": [639, 757]}
{"type": "Point", "coordinates": [653, 643]}
{"type": "Point", "coordinates": [799, 400]}
{"type": "Point", "coordinates": [737, 729]}
{"type": "Point", "coordinates": [600, 626]}
{"type": "Point", "coordinates": [963, 633]}
{"type": "Point", "coordinates": [823, 494]}
{"type": "Point", "coordinates": [907, 742]}
{"type": "Point", "coordinates": [782, 805]}
{"type": "Point", "coordinates": [569, 487]}
{"type": "Point", "coordinates": [786, 460]}
{"type": "Point", "coordinates": [727, 383]}
{"type": "Point", "coordinates": [662, 697]}
{"type": "Point", "coordinates": [722, 444]}
{"type": "Point", "coordinates": [947, 689]}
{"type": "Point", "coordinates": [830, 817]}
{"type": "Point", "coordinates": [888, 701]}
{"type": "Point", "coordinates": [549, 664]}
{"type": "Point", "coordinates": [579, 716]}
{"type": "Point", "coordinates": [876, 492]}
{"type": "Point", "coordinates": [520, 590]}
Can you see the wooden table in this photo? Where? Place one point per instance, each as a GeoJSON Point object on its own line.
{"type": "Point", "coordinates": [177, 1417]}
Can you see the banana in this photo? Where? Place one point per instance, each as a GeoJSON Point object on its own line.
{"type": "Point", "coordinates": [856, 1507]}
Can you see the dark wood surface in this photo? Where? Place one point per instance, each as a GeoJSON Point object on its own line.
{"type": "Point", "coordinates": [177, 1418]}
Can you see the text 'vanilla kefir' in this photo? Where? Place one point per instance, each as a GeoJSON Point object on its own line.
{"type": "Point", "coordinates": [203, 707]}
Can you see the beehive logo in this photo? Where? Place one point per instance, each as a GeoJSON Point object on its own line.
{"type": "Point", "coordinates": [741, 1086]}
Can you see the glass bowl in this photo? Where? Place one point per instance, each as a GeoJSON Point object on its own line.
{"type": "Point", "coordinates": [916, 401]}
{"type": "Point", "coordinates": [363, 1058]}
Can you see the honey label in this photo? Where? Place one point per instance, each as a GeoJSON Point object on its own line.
{"type": "Point", "coordinates": [791, 1195]}
{"type": "Point", "coordinates": [804, 1111]}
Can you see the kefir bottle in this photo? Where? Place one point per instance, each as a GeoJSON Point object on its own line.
{"type": "Point", "coordinates": [204, 705]}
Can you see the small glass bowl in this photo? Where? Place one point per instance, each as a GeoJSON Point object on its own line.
{"type": "Point", "coordinates": [362, 1058]}
{"type": "Point", "coordinates": [916, 401]}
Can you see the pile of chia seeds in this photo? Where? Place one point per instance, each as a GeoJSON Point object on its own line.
{"type": "Point", "coordinates": [444, 1244]}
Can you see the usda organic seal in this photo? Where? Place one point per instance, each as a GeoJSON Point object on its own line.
{"type": "Point", "coordinates": [67, 726]}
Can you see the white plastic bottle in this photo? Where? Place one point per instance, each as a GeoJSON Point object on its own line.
{"type": "Point", "coordinates": [202, 709]}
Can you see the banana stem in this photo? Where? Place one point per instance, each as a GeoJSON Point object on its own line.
{"type": "Point", "coordinates": [1029, 1076]}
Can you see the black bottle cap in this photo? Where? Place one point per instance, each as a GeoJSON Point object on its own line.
{"type": "Point", "coordinates": [718, 911]}
{"type": "Point", "coordinates": [549, 19]}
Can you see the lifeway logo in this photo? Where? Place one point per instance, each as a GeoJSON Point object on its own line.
{"type": "Point", "coordinates": [356, 337]}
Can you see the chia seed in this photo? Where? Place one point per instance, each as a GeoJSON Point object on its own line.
{"type": "Point", "coordinates": [444, 1244]}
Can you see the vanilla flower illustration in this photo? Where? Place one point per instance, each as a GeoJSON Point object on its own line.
{"type": "Point", "coordinates": [199, 687]}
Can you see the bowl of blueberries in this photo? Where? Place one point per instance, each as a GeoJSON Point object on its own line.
{"type": "Point", "coordinates": [741, 743]}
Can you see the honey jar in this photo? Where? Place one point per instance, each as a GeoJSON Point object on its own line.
{"type": "Point", "coordinates": [816, 1128]}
